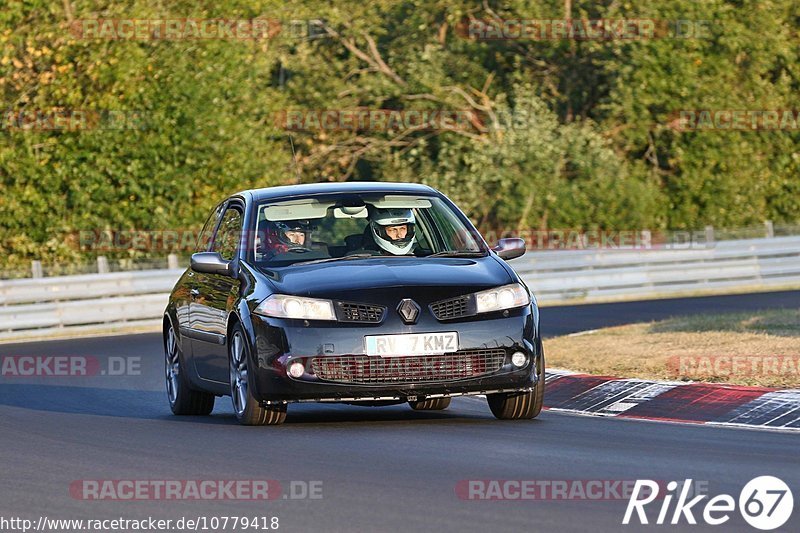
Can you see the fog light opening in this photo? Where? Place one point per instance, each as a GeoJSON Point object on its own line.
{"type": "Point", "coordinates": [296, 369]}
{"type": "Point", "coordinates": [519, 359]}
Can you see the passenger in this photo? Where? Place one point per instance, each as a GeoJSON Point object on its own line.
{"type": "Point", "coordinates": [287, 236]}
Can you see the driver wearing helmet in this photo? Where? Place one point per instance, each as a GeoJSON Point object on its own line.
{"type": "Point", "coordinates": [286, 236]}
{"type": "Point", "coordinates": [393, 230]}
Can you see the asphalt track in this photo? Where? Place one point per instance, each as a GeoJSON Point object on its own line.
{"type": "Point", "coordinates": [561, 320]}
{"type": "Point", "coordinates": [381, 469]}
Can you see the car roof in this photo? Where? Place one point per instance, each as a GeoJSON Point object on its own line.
{"type": "Point", "coordinates": [283, 191]}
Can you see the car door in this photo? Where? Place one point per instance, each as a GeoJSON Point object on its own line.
{"type": "Point", "coordinates": [187, 283]}
{"type": "Point", "coordinates": [214, 295]}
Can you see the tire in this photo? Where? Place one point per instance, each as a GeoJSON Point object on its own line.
{"type": "Point", "coordinates": [431, 404]}
{"type": "Point", "coordinates": [520, 405]}
{"type": "Point", "coordinates": [182, 399]}
{"type": "Point", "coordinates": [249, 411]}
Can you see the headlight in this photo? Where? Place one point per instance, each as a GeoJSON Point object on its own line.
{"type": "Point", "coordinates": [284, 306]}
{"type": "Point", "coordinates": [505, 297]}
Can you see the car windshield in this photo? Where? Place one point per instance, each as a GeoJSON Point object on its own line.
{"type": "Point", "coordinates": [353, 226]}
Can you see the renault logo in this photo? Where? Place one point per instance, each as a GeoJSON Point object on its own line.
{"type": "Point", "coordinates": [409, 311]}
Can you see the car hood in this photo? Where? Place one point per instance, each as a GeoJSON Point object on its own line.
{"type": "Point", "coordinates": [352, 278]}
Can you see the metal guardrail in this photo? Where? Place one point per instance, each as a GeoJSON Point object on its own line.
{"type": "Point", "coordinates": [86, 286]}
{"type": "Point", "coordinates": [579, 274]}
{"type": "Point", "coordinates": [32, 307]}
{"type": "Point", "coordinates": [41, 305]}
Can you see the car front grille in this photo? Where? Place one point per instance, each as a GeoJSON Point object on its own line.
{"type": "Point", "coordinates": [452, 308]}
{"type": "Point", "coordinates": [417, 369]}
{"type": "Point", "coordinates": [353, 312]}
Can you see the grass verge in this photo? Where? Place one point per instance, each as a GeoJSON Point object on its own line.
{"type": "Point", "coordinates": [757, 349]}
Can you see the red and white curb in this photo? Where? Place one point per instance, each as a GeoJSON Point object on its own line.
{"type": "Point", "coordinates": [698, 403]}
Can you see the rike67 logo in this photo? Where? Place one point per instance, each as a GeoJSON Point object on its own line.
{"type": "Point", "coordinates": [765, 503]}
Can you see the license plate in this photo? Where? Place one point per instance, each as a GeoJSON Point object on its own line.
{"type": "Point", "coordinates": [411, 344]}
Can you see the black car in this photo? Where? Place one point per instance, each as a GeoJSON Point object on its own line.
{"type": "Point", "coordinates": [365, 293]}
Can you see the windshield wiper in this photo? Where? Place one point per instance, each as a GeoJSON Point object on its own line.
{"type": "Point", "coordinates": [458, 253]}
{"type": "Point", "coordinates": [330, 259]}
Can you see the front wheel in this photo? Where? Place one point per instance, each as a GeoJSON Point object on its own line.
{"type": "Point", "coordinates": [249, 411]}
{"type": "Point", "coordinates": [520, 405]}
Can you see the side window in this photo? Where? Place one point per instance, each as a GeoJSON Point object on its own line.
{"type": "Point", "coordinates": [204, 239]}
{"type": "Point", "coordinates": [230, 230]}
{"type": "Point", "coordinates": [422, 230]}
{"type": "Point", "coordinates": [452, 231]}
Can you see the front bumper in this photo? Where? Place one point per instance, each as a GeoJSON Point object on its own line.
{"type": "Point", "coordinates": [280, 342]}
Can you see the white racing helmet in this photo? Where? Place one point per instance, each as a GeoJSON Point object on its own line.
{"type": "Point", "coordinates": [384, 218]}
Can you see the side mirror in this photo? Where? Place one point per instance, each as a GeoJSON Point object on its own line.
{"type": "Point", "coordinates": [211, 263]}
{"type": "Point", "coordinates": [509, 248]}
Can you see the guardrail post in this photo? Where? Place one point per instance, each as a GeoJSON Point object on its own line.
{"type": "Point", "coordinates": [102, 264]}
{"type": "Point", "coordinates": [709, 234]}
{"type": "Point", "coordinates": [646, 241]}
{"type": "Point", "coordinates": [36, 269]}
{"type": "Point", "coordinates": [172, 261]}
{"type": "Point", "coordinates": [769, 228]}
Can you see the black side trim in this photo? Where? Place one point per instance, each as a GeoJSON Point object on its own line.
{"type": "Point", "coordinates": [213, 338]}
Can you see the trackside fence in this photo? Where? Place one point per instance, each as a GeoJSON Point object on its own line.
{"type": "Point", "coordinates": [584, 274]}
{"type": "Point", "coordinates": [39, 306]}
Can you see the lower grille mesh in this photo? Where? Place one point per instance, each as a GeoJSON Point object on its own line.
{"type": "Point", "coordinates": [418, 369]}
